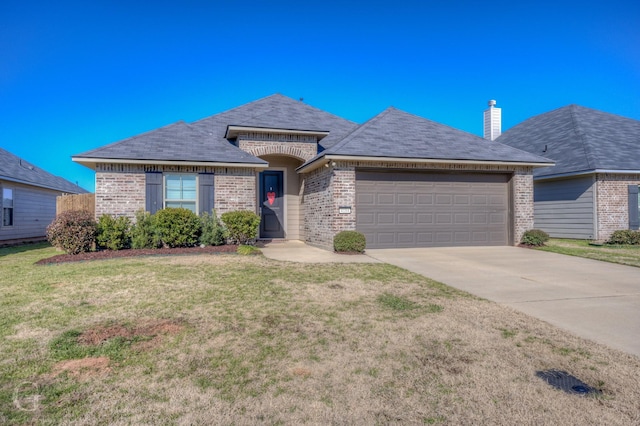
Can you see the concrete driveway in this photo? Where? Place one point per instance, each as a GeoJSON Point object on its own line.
{"type": "Point", "coordinates": [595, 300]}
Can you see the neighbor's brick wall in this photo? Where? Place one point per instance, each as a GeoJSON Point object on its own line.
{"type": "Point", "coordinates": [613, 202]}
{"type": "Point", "coordinates": [120, 188]}
{"type": "Point", "coordinates": [328, 188]}
{"type": "Point", "coordinates": [522, 190]}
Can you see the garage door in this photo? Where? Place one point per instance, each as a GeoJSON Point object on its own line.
{"type": "Point", "coordinates": [432, 209]}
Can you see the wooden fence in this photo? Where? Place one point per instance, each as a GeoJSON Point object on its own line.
{"type": "Point", "coordinates": [65, 203]}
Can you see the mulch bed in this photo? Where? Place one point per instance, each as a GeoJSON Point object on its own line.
{"type": "Point", "coordinates": [110, 254]}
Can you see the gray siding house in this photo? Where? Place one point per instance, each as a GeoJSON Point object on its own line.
{"type": "Point", "coordinates": [402, 180]}
{"type": "Point", "coordinates": [592, 190]}
{"type": "Point", "coordinates": [28, 202]}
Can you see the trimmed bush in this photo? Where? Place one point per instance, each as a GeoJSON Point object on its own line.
{"type": "Point", "coordinates": [73, 231]}
{"type": "Point", "coordinates": [625, 237]}
{"type": "Point", "coordinates": [177, 227]}
{"type": "Point", "coordinates": [143, 233]}
{"type": "Point", "coordinates": [534, 237]}
{"type": "Point", "coordinates": [213, 233]}
{"type": "Point", "coordinates": [242, 226]}
{"type": "Point", "coordinates": [113, 233]}
{"type": "Point", "coordinates": [349, 241]}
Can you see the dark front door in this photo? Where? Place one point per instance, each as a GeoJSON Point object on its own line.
{"type": "Point", "coordinates": [271, 205]}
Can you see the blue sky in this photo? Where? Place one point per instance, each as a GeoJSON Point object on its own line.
{"type": "Point", "coordinates": [78, 75]}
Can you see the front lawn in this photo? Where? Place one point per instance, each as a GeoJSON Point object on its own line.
{"type": "Point", "coordinates": [625, 255]}
{"type": "Point", "coordinates": [228, 339]}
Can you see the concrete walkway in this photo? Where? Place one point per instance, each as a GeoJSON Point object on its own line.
{"type": "Point", "coordinates": [592, 299]}
{"type": "Point", "coordinates": [297, 251]}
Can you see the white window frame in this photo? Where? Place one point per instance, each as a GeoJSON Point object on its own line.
{"type": "Point", "coordinates": [181, 200]}
{"type": "Point", "coordinates": [12, 208]}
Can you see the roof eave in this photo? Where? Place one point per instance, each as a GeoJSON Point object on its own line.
{"type": "Point", "coordinates": [53, 188]}
{"type": "Point", "coordinates": [587, 172]}
{"type": "Point", "coordinates": [234, 131]}
{"type": "Point", "coordinates": [330, 157]}
{"type": "Point", "coordinates": [91, 163]}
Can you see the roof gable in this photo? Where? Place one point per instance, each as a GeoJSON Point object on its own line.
{"type": "Point", "coordinates": [398, 134]}
{"type": "Point", "coordinates": [14, 168]}
{"type": "Point", "coordinates": [579, 139]}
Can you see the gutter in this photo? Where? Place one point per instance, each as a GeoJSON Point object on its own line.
{"type": "Point", "coordinates": [330, 157]}
{"type": "Point", "coordinates": [587, 172]}
{"type": "Point", "coordinates": [89, 162]}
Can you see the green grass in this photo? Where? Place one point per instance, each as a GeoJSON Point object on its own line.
{"type": "Point", "coordinates": [624, 255]}
{"type": "Point", "coordinates": [246, 340]}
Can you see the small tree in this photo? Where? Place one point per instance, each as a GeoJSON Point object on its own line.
{"type": "Point", "coordinates": [143, 233]}
{"type": "Point", "coordinates": [73, 231]}
{"type": "Point", "coordinates": [213, 233]}
{"type": "Point", "coordinates": [242, 226]}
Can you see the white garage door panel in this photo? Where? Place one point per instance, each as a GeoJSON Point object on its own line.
{"type": "Point", "coordinates": [432, 209]}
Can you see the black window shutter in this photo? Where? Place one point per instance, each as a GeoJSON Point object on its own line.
{"type": "Point", "coordinates": [205, 191]}
{"type": "Point", "coordinates": [153, 192]}
{"type": "Point", "coordinates": [634, 213]}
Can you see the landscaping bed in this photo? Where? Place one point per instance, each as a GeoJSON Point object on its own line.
{"type": "Point", "coordinates": [112, 254]}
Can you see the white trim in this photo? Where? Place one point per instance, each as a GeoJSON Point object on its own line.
{"type": "Point", "coordinates": [234, 131]}
{"type": "Point", "coordinates": [587, 172]}
{"type": "Point", "coordinates": [317, 163]}
{"type": "Point", "coordinates": [88, 161]}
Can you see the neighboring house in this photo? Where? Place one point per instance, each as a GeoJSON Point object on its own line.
{"type": "Point", "coordinates": [28, 200]}
{"type": "Point", "coordinates": [593, 188]}
{"type": "Point", "coordinates": [402, 180]}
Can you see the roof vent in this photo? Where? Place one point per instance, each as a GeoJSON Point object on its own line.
{"type": "Point", "coordinates": [492, 121]}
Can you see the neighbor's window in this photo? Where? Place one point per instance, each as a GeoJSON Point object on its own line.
{"type": "Point", "coordinates": [180, 191]}
{"type": "Point", "coordinates": [7, 207]}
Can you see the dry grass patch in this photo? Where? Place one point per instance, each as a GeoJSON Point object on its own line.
{"type": "Point", "coordinates": [245, 340]}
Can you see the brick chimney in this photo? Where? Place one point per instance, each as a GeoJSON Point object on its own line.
{"type": "Point", "coordinates": [492, 121]}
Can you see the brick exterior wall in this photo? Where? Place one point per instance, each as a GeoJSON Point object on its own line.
{"type": "Point", "coordinates": [612, 201]}
{"type": "Point", "coordinates": [300, 150]}
{"type": "Point", "coordinates": [120, 188]}
{"type": "Point", "coordinates": [328, 188]}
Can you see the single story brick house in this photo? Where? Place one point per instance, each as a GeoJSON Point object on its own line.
{"type": "Point", "coordinates": [28, 202]}
{"type": "Point", "coordinates": [592, 190]}
{"type": "Point", "coordinates": [402, 180]}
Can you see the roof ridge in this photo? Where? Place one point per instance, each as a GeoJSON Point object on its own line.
{"type": "Point", "coordinates": [344, 141]}
{"type": "Point", "coordinates": [579, 131]}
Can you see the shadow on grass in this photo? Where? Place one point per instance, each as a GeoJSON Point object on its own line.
{"type": "Point", "coordinates": [21, 248]}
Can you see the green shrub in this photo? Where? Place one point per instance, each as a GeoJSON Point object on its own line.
{"type": "Point", "coordinates": [143, 233]}
{"type": "Point", "coordinates": [73, 231]}
{"type": "Point", "coordinates": [349, 241]}
{"type": "Point", "coordinates": [242, 226]}
{"type": "Point", "coordinates": [247, 250]}
{"type": "Point", "coordinates": [177, 227]}
{"type": "Point", "coordinates": [534, 237]}
{"type": "Point", "coordinates": [213, 233]}
{"type": "Point", "coordinates": [113, 233]}
{"type": "Point", "coordinates": [625, 237]}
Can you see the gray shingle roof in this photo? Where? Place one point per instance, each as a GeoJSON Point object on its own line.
{"type": "Point", "coordinates": [395, 133]}
{"type": "Point", "coordinates": [175, 142]}
{"type": "Point", "coordinates": [579, 139]}
{"type": "Point", "coordinates": [204, 140]}
{"type": "Point", "coordinates": [15, 168]}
